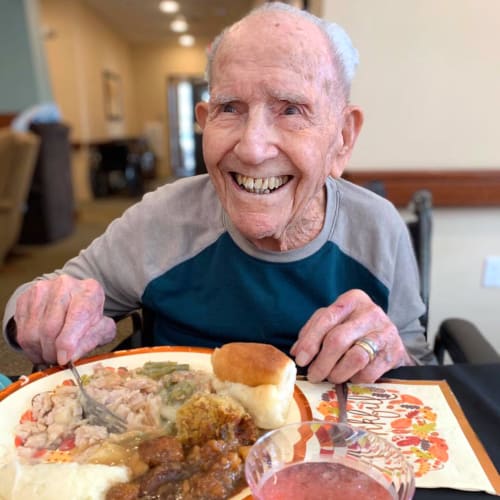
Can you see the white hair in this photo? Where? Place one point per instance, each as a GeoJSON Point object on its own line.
{"type": "Point", "coordinates": [341, 45]}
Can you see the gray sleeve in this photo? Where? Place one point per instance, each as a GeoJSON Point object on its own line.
{"type": "Point", "coordinates": [115, 260]}
{"type": "Point", "coordinates": [151, 237]}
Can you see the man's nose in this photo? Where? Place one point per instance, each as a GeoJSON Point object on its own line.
{"type": "Point", "coordinates": [258, 140]}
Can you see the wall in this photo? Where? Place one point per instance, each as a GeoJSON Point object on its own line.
{"type": "Point", "coordinates": [428, 83]}
{"type": "Point", "coordinates": [462, 238]}
{"type": "Point", "coordinates": [79, 47]}
{"type": "Point", "coordinates": [24, 77]}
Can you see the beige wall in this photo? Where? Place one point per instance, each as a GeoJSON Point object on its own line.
{"type": "Point", "coordinates": [80, 46]}
{"type": "Point", "coordinates": [429, 83]}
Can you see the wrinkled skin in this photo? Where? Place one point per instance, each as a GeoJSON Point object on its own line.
{"type": "Point", "coordinates": [62, 319]}
{"type": "Point", "coordinates": [331, 332]}
{"type": "Point", "coordinates": [277, 113]}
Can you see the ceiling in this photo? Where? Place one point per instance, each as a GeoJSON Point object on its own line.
{"type": "Point", "coordinates": [140, 21]}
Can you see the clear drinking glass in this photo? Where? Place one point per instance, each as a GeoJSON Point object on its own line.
{"type": "Point", "coordinates": [311, 460]}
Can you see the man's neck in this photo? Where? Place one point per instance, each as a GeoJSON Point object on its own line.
{"type": "Point", "coordinates": [303, 231]}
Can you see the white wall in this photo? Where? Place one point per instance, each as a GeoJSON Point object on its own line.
{"type": "Point", "coordinates": [461, 240]}
{"type": "Point", "coordinates": [429, 82]}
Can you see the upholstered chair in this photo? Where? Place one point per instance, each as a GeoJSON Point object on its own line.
{"type": "Point", "coordinates": [18, 153]}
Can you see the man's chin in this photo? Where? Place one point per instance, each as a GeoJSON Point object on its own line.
{"type": "Point", "coordinates": [261, 235]}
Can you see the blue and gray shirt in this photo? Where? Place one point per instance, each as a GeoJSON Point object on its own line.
{"type": "Point", "coordinates": [177, 253]}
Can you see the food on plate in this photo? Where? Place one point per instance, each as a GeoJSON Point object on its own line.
{"type": "Point", "coordinates": [259, 376]}
{"type": "Point", "coordinates": [56, 423]}
{"type": "Point", "coordinates": [61, 481]}
{"type": "Point", "coordinates": [204, 460]}
{"type": "Point", "coordinates": [189, 431]}
{"type": "Point", "coordinates": [213, 416]}
{"type": "Point", "coordinates": [184, 439]}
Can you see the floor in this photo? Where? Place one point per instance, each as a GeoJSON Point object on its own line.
{"type": "Point", "coordinates": [26, 262]}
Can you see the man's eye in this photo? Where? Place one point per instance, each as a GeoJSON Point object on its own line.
{"type": "Point", "coordinates": [291, 110]}
{"type": "Point", "coordinates": [228, 108]}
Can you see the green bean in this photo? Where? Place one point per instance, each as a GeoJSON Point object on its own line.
{"type": "Point", "coordinates": [181, 391]}
{"type": "Point", "coordinates": [157, 369]}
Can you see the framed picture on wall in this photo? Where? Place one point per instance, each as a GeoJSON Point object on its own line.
{"type": "Point", "coordinates": [113, 100]}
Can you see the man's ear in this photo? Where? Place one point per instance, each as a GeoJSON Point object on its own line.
{"type": "Point", "coordinates": [201, 113]}
{"type": "Point", "coordinates": [353, 121]}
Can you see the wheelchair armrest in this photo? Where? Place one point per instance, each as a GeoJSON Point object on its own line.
{"type": "Point", "coordinates": [464, 343]}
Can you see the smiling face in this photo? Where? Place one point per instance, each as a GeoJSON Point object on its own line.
{"type": "Point", "coordinates": [275, 127]}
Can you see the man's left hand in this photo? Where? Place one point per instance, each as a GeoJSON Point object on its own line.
{"type": "Point", "coordinates": [352, 339]}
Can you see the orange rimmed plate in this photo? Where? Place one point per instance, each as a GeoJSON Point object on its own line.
{"type": "Point", "coordinates": [16, 398]}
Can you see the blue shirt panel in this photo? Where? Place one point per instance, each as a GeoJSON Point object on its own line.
{"type": "Point", "coordinates": [224, 295]}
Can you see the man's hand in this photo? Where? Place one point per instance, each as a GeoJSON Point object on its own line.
{"type": "Point", "coordinates": [328, 342]}
{"type": "Point", "coordinates": [62, 319]}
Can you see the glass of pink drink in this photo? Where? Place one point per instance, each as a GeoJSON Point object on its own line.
{"type": "Point", "coordinates": [310, 460]}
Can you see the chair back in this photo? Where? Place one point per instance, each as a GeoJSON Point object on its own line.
{"type": "Point", "coordinates": [18, 152]}
{"type": "Point", "coordinates": [420, 228]}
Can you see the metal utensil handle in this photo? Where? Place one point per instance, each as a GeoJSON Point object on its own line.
{"type": "Point", "coordinates": [341, 391]}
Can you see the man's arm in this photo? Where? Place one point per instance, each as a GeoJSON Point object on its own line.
{"type": "Point", "coordinates": [99, 282]}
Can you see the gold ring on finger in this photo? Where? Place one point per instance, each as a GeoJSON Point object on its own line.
{"type": "Point", "coordinates": [369, 346]}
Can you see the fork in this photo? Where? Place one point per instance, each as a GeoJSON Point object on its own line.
{"type": "Point", "coordinates": [341, 392]}
{"type": "Point", "coordinates": [343, 434]}
{"type": "Point", "coordinates": [96, 412]}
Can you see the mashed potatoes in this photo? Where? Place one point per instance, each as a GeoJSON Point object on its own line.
{"type": "Point", "coordinates": [44, 481]}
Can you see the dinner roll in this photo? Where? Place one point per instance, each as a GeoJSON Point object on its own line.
{"type": "Point", "coordinates": [259, 376]}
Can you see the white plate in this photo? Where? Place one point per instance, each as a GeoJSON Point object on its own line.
{"type": "Point", "coordinates": [16, 398]}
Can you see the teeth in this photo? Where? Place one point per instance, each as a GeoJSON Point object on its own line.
{"type": "Point", "coordinates": [261, 185]}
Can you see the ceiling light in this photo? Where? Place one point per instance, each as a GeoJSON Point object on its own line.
{"type": "Point", "coordinates": [186, 40]}
{"type": "Point", "coordinates": [179, 25]}
{"type": "Point", "coordinates": [169, 6]}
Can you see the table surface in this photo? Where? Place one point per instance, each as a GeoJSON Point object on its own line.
{"type": "Point", "coordinates": [477, 389]}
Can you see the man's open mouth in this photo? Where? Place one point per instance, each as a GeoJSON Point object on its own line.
{"type": "Point", "coordinates": [260, 185]}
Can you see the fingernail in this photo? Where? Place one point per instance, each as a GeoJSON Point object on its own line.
{"type": "Point", "coordinates": [302, 358]}
{"type": "Point", "coordinates": [62, 358]}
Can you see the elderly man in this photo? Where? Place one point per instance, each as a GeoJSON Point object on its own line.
{"type": "Point", "coordinates": [272, 246]}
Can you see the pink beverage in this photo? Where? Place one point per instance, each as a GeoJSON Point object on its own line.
{"type": "Point", "coordinates": [319, 480]}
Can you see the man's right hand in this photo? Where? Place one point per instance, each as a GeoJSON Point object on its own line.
{"type": "Point", "coordinates": [62, 319]}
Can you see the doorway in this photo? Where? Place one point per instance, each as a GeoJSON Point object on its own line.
{"type": "Point", "coordinates": [186, 155]}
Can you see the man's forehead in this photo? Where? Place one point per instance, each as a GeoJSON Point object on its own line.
{"type": "Point", "coordinates": [270, 30]}
{"type": "Point", "coordinates": [266, 42]}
